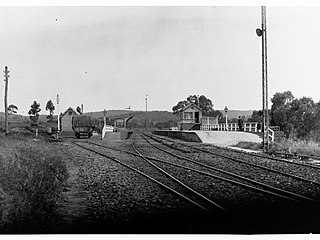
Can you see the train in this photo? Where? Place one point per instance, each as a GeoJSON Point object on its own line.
{"type": "Point", "coordinates": [82, 126]}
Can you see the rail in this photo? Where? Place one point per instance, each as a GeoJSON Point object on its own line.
{"type": "Point", "coordinates": [180, 195]}
{"type": "Point", "coordinates": [278, 192]}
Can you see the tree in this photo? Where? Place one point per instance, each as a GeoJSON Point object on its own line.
{"type": "Point", "coordinates": [216, 113]}
{"type": "Point", "coordinates": [179, 106]}
{"type": "Point", "coordinates": [78, 109]}
{"type": "Point", "coordinates": [315, 132]}
{"type": "Point", "coordinates": [204, 103]}
{"type": "Point", "coordinates": [34, 112]}
{"type": "Point", "coordinates": [12, 109]}
{"type": "Point", "coordinates": [256, 116]}
{"type": "Point", "coordinates": [193, 99]}
{"type": "Point", "coordinates": [301, 114]}
{"type": "Point", "coordinates": [296, 117]}
{"type": "Point", "coordinates": [50, 107]}
{"type": "Point", "coordinates": [280, 117]}
{"type": "Point", "coordinates": [280, 100]}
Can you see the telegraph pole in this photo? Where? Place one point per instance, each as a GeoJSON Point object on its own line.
{"type": "Point", "coordinates": [266, 76]}
{"type": "Point", "coordinates": [6, 76]}
{"type": "Point", "coordinates": [146, 112]}
{"type": "Point", "coordinates": [263, 33]}
{"type": "Point", "coordinates": [58, 130]}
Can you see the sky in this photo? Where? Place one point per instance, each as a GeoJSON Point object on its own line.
{"type": "Point", "coordinates": [108, 57]}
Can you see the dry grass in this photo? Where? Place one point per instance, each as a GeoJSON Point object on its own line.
{"type": "Point", "coordinates": [31, 171]}
{"type": "Point", "coordinates": [300, 147]}
{"type": "Point", "coordinates": [248, 145]}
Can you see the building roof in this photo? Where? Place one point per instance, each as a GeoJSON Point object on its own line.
{"type": "Point", "coordinates": [189, 106]}
{"type": "Point", "coordinates": [69, 109]}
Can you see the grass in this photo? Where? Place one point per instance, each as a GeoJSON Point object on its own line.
{"type": "Point", "coordinates": [248, 145]}
{"type": "Point", "coordinates": [301, 147]}
{"type": "Point", "coordinates": [31, 172]}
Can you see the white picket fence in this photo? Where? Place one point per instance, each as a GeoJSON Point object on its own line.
{"type": "Point", "coordinates": [247, 127]}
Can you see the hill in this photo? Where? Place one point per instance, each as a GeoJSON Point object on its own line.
{"type": "Point", "coordinates": [154, 117]}
{"type": "Point", "coordinates": [157, 116]}
{"type": "Point", "coordinates": [110, 113]}
{"type": "Point", "coordinates": [164, 118]}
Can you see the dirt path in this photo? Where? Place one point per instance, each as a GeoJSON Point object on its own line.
{"type": "Point", "coordinates": [71, 214]}
{"type": "Point", "coordinates": [72, 207]}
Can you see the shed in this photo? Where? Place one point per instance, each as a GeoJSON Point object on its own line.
{"type": "Point", "coordinates": [66, 119]}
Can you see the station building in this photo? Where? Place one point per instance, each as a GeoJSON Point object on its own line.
{"type": "Point", "coordinates": [192, 118]}
{"type": "Point", "coordinates": [66, 119]}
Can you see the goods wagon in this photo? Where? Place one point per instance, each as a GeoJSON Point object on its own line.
{"type": "Point", "coordinates": [82, 126]}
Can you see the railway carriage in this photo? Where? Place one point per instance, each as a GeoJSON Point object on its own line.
{"type": "Point", "coordinates": [82, 126]}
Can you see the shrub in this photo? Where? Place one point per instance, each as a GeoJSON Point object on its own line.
{"type": "Point", "coordinates": [30, 175]}
{"type": "Point", "coordinates": [301, 147]}
{"type": "Point", "coordinates": [248, 145]}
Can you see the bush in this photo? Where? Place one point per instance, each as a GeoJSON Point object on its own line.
{"type": "Point", "coordinates": [30, 175]}
{"type": "Point", "coordinates": [248, 145]}
{"type": "Point", "coordinates": [301, 147]}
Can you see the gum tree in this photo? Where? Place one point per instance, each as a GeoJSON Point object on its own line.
{"type": "Point", "coordinates": [34, 112]}
{"type": "Point", "coordinates": [50, 107]}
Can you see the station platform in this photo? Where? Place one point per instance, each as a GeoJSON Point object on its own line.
{"type": "Point", "coordinates": [220, 138]}
{"type": "Point", "coordinates": [227, 138]}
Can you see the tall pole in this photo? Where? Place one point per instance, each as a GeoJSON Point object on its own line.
{"type": "Point", "coordinates": [104, 117]}
{"type": "Point", "coordinates": [263, 79]}
{"type": "Point", "coordinates": [6, 76]}
{"type": "Point", "coordinates": [146, 112]}
{"type": "Point", "coordinates": [226, 110]}
{"type": "Point", "coordinates": [266, 77]}
{"type": "Point", "coordinates": [58, 101]}
{"type": "Point", "coordinates": [104, 129]}
{"type": "Point", "coordinates": [263, 33]}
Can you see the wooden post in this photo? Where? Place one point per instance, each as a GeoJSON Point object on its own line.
{"type": "Point", "coordinates": [146, 112]}
{"type": "Point", "coordinates": [58, 130]}
{"type": "Point", "coordinates": [264, 81]}
{"type": "Point", "coordinates": [6, 75]}
{"type": "Point", "coordinates": [104, 124]}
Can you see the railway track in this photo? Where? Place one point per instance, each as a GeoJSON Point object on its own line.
{"type": "Point", "coordinates": [276, 191]}
{"type": "Point", "coordinates": [248, 178]}
{"type": "Point", "coordinates": [240, 204]}
{"type": "Point", "coordinates": [205, 204]}
{"type": "Point", "coordinates": [257, 155]}
{"type": "Point", "coordinates": [264, 188]}
{"type": "Point", "coordinates": [229, 150]}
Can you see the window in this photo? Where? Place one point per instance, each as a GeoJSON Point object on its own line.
{"type": "Point", "coordinates": [188, 115]}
